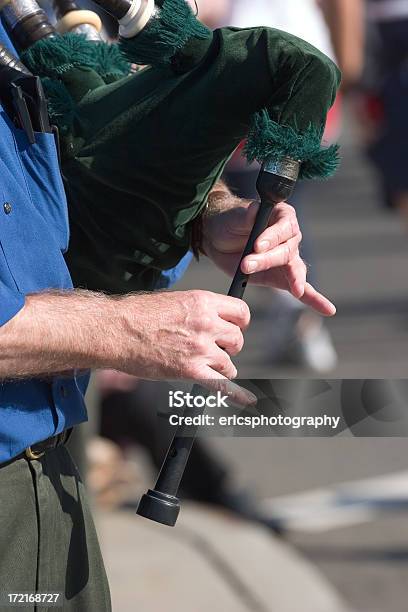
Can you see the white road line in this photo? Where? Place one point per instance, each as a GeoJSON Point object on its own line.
{"type": "Point", "coordinates": [340, 505]}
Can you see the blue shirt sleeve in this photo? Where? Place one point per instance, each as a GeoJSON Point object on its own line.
{"type": "Point", "coordinates": [11, 302]}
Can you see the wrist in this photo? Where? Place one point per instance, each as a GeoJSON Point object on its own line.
{"type": "Point", "coordinates": [127, 346]}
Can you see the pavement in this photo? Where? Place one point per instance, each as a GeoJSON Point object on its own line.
{"type": "Point", "coordinates": [209, 561]}
{"type": "Point", "coordinates": [354, 557]}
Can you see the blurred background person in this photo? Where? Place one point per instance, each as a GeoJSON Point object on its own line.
{"type": "Point", "coordinates": [383, 111]}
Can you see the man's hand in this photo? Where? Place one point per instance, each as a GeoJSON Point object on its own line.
{"type": "Point", "coordinates": [276, 261]}
{"type": "Point", "coordinates": [183, 334]}
{"type": "Point", "coordinates": [167, 335]}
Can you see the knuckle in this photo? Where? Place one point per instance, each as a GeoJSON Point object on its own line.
{"type": "Point", "coordinates": [200, 299]}
{"type": "Point", "coordinates": [288, 209]}
{"type": "Point", "coordinates": [239, 342]}
{"type": "Point", "coordinates": [200, 344]}
{"type": "Point", "coordinates": [235, 344]}
{"type": "Point", "coordinates": [205, 322]}
{"type": "Point", "coordinates": [294, 224]}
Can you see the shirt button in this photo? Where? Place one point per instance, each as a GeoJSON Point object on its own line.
{"type": "Point", "coordinates": [7, 208]}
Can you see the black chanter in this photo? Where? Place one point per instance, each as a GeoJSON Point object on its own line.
{"type": "Point", "coordinates": [275, 184]}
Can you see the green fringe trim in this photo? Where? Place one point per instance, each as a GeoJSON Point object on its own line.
{"type": "Point", "coordinates": [51, 57]}
{"type": "Point", "coordinates": [109, 61]}
{"type": "Point", "coordinates": [269, 139]}
{"type": "Point", "coordinates": [165, 35]}
{"type": "Point", "coordinates": [61, 106]}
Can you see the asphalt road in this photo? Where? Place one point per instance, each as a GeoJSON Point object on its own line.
{"type": "Point", "coordinates": [361, 256]}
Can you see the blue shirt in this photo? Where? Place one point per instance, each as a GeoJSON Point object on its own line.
{"type": "Point", "coordinates": [169, 277]}
{"type": "Point", "coordinates": [33, 237]}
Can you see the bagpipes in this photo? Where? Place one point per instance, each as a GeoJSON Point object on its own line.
{"type": "Point", "coordinates": [141, 152]}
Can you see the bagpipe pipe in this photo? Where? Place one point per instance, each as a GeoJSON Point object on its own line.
{"type": "Point", "coordinates": [141, 152]}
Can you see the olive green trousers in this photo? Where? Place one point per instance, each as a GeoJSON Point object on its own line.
{"type": "Point", "coordinates": [48, 542]}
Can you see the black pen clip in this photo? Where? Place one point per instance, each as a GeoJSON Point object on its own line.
{"type": "Point", "coordinates": [36, 103]}
{"type": "Point", "coordinates": [55, 131]}
{"type": "Point", "coordinates": [22, 112]}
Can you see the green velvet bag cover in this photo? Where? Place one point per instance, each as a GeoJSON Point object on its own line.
{"type": "Point", "coordinates": [141, 153]}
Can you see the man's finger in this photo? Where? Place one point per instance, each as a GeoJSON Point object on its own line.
{"type": "Point", "coordinates": [275, 258]}
{"type": "Point", "coordinates": [277, 233]}
{"type": "Point", "coordinates": [230, 339]}
{"type": "Point", "coordinates": [318, 301]}
{"type": "Point", "coordinates": [296, 273]}
{"type": "Point", "coordinates": [221, 362]}
{"type": "Point", "coordinates": [234, 310]}
{"type": "Point", "coordinates": [216, 382]}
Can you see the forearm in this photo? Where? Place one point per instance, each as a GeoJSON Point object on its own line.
{"type": "Point", "coordinates": [60, 331]}
{"type": "Point", "coordinates": [211, 12]}
{"type": "Point", "coordinates": [345, 19]}
{"type": "Point", "coordinates": [161, 335]}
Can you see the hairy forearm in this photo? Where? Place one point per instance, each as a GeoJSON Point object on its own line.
{"type": "Point", "coordinates": [161, 335]}
{"type": "Point", "coordinates": [61, 331]}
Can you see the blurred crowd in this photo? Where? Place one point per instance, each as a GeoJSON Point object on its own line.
{"type": "Point", "coordinates": [369, 41]}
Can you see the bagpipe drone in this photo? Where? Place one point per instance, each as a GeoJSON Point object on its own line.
{"type": "Point", "coordinates": [141, 152]}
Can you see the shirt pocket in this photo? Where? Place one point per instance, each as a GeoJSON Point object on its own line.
{"type": "Point", "coordinates": [44, 182]}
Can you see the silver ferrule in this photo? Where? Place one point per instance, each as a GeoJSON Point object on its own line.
{"type": "Point", "coordinates": [16, 11]}
{"type": "Point", "coordinates": [286, 168]}
{"type": "Point", "coordinates": [7, 60]}
{"type": "Point", "coordinates": [137, 18]}
{"type": "Point", "coordinates": [89, 31]}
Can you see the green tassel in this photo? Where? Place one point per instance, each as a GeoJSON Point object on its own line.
{"type": "Point", "coordinates": [267, 139]}
{"type": "Point", "coordinates": [61, 106]}
{"type": "Point", "coordinates": [108, 61]}
{"type": "Point", "coordinates": [52, 57]}
{"type": "Point", "coordinates": [166, 34]}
